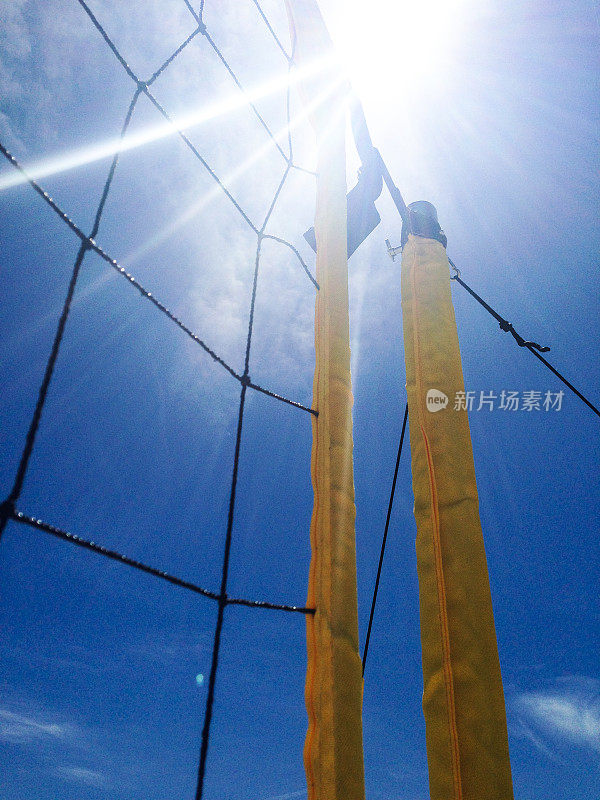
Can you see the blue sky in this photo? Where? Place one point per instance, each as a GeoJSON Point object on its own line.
{"type": "Point", "coordinates": [493, 118]}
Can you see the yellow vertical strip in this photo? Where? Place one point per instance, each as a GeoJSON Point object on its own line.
{"type": "Point", "coordinates": [333, 753]}
{"type": "Point", "coordinates": [463, 700]}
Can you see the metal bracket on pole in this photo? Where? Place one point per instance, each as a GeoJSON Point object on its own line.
{"type": "Point", "coordinates": [393, 251]}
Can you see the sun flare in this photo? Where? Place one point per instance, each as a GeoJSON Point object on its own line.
{"type": "Point", "coordinates": [395, 48]}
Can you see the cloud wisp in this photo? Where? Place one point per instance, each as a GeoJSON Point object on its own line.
{"type": "Point", "coordinates": [89, 777]}
{"type": "Point", "coordinates": [567, 713]}
{"type": "Point", "coordinates": [23, 728]}
{"type": "Point", "coordinates": [53, 739]}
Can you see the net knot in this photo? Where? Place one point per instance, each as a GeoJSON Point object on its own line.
{"type": "Point", "coordinates": [7, 509]}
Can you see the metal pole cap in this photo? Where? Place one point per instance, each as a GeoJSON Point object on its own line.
{"type": "Point", "coordinates": [423, 221]}
{"type": "Point", "coordinates": [425, 209]}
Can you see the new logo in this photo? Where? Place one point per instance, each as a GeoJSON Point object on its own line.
{"type": "Point", "coordinates": [435, 400]}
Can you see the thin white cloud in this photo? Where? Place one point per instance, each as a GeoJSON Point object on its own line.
{"type": "Point", "coordinates": [566, 713]}
{"type": "Point", "coordinates": [15, 40]}
{"type": "Point", "coordinates": [23, 729]}
{"type": "Point", "coordinates": [89, 777]}
{"type": "Point", "coordinates": [70, 750]}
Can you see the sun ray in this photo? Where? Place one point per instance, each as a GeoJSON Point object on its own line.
{"type": "Point", "coordinates": [164, 233]}
{"type": "Point", "coordinates": [101, 150]}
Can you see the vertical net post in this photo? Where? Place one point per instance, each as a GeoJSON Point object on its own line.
{"type": "Point", "coordinates": [333, 754]}
{"type": "Point", "coordinates": [463, 700]}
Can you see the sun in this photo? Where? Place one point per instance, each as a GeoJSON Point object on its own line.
{"type": "Point", "coordinates": [393, 49]}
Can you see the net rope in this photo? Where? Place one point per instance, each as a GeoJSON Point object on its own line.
{"type": "Point", "coordinates": [88, 243]}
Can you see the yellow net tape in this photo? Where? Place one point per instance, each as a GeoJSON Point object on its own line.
{"type": "Point", "coordinates": [463, 700]}
{"type": "Point", "coordinates": [333, 754]}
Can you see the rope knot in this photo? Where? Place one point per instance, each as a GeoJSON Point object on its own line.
{"type": "Point", "coordinates": [7, 509]}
